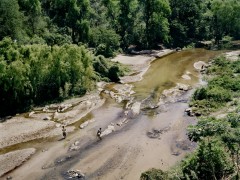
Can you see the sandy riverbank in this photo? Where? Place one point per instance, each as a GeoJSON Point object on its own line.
{"type": "Point", "coordinates": [41, 123]}
{"type": "Point", "coordinates": [139, 64]}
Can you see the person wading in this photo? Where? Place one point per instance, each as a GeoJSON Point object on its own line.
{"type": "Point", "coordinates": [64, 132]}
{"type": "Point", "coordinates": [99, 132]}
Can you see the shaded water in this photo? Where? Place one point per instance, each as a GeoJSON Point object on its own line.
{"type": "Point", "coordinates": [165, 72]}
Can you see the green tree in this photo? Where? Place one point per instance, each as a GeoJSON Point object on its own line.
{"type": "Point", "coordinates": [128, 10]}
{"type": "Point", "coordinates": [210, 161]}
{"type": "Point", "coordinates": [155, 15]}
{"type": "Point", "coordinates": [34, 16]}
{"type": "Point", "coordinates": [225, 23]}
{"type": "Point", "coordinates": [11, 20]}
{"type": "Point", "coordinates": [106, 41]}
{"type": "Point", "coordinates": [72, 16]}
{"type": "Point", "coordinates": [112, 11]}
{"type": "Point", "coordinates": [186, 19]}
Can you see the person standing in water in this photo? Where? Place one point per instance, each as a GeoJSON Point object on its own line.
{"type": "Point", "coordinates": [64, 132]}
{"type": "Point", "coordinates": [99, 133]}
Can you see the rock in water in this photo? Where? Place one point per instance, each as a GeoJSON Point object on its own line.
{"type": "Point", "coordinates": [107, 131]}
{"type": "Point", "coordinates": [47, 118]}
{"type": "Point", "coordinates": [31, 114]}
{"type": "Point", "coordinates": [75, 174]}
{"type": "Point", "coordinates": [83, 125]}
{"type": "Point", "coordinates": [135, 110]}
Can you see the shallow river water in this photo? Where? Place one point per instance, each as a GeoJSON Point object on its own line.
{"type": "Point", "coordinates": [128, 151]}
{"type": "Point", "coordinates": [165, 72]}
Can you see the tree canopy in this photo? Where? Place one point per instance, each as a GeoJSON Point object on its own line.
{"type": "Point", "coordinates": [145, 23]}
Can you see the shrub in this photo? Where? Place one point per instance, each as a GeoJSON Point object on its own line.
{"type": "Point", "coordinates": [200, 94]}
{"type": "Point", "coordinates": [209, 161]}
{"type": "Point", "coordinates": [154, 174]}
{"type": "Point", "coordinates": [106, 41]}
{"type": "Point", "coordinates": [219, 94]}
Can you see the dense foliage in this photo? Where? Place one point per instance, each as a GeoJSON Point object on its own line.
{"type": "Point", "coordinates": [218, 153]}
{"type": "Point", "coordinates": [35, 74]}
{"type": "Point", "coordinates": [108, 25]}
{"type": "Point", "coordinates": [223, 86]}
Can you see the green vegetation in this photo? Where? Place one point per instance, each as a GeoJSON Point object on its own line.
{"type": "Point", "coordinates": [154, 174]}
{"type": "Point", "coordinates": [218, 151]}
{"type": "Point", "coordinates": [47, 58]}
{"type": "Point", "coordinates": [36, 74]}
{"type": "Point", "coordinates": [223, 87]}
{"type": "Point", "coordinates": [108, 25]}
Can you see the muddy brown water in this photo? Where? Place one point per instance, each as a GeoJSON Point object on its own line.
{"type": "Point", "coordinates": [128, 151]}
{"type": "Point", "coordinates": [165, 72]}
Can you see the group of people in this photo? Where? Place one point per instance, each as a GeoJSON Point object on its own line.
{"type": "Point", "coordinates": [64, 133]}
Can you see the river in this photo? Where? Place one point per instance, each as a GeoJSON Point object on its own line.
{"type": "Point", "coordinates": [158, 141]}
{"type": "Point", "coordinates": [164, 73]}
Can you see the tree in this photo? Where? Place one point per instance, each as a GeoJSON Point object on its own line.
{"type": "Point", "coordinates": [11, 20]}
{"type": "Point", "coordinates": [155, 15]}
{"type": "Point", "coordinates": [106, 41]}
{"type": "Point", "coordinates": [128, 10]}
{"type": "Point", "coordinates": [210, 160]}
{"type": "Point", "coordinates": [225, 23]}
{"type": "Point", "coordinates": [72, 15]}
{"type": "Point", "coordinates": [112, 11]}
{"type": "Point", "coordinates": [186, 19]}
{"type": "Point", "coordinates": [34, 16]}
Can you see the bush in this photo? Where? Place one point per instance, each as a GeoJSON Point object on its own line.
{"type": "Point", "coordinates": [234, 119]}
{"type": "Point", "coordinates": [106, 41]}
{"type": "Point", "coordinates": [154, 174]}
{"type": "Point", "coordinates": [108, 69]}
{"type": "Point", "coordinates": [219, 94]}
{"type": "Point", "coordinates": [209, 161]}
{"type": "Point", "coordinates": [200, 94]}
{"type": "Point", "coordinates": [226, 82]}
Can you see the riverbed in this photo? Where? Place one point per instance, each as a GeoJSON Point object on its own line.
{"type": "Point", "coordinates": [154, 138]}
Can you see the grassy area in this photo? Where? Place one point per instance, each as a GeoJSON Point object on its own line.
{"type": "Point", "coordinates": [223, 89]}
